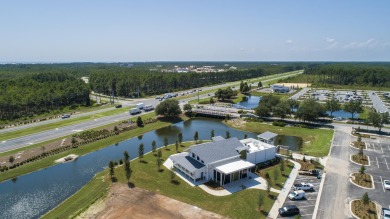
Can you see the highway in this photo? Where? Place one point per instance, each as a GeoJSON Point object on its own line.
{"type": "Point", "coordinates": [15, 143]}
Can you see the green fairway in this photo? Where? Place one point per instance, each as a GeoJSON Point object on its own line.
{"type": "Point", "coordinates": [242, 204]}
{"type": "Point", "coordinates": [316, 142]}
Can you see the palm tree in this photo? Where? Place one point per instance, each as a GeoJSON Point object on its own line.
{"type": "Point", "coordinates": [177, 146]}
{"type": "Point", "coordinates": [111, 165]}
{"type": "Point", "coordinates": [141, 152]}
{"type": "Point", "coordinates": [154, 146]}
{"type": "Point", "coordinates": [158, 162]}
{"type": "Point", "coordinates": [196, 136]}
{"type": "Point", "coordinates": [212, 133]}
{"type": "Point", "coordinates": [166, 143]}
{"type": "Point", "coordinates": [180, 137]}
{"type": "Point", "coordinates": [227, 134]}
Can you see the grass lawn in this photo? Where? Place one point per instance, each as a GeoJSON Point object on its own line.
{"type": "Point", "coordinates": [48, 161]}
{"type": "Point", "coordinates": [316, 142]}
{"type": "Point", "coordinates": [145, 175]}
{"type": "Point", "coordinates": [360, 159]}
{"type": "Point", "coordinates": [362, 179]}
{"type": "Point", "coordinates": [64, 122]}
{"type": "Point", "coordinates": [308, 165]}
{"type": "Point", "coordinates": [362, 211]}
{"type": "Point", "coordinates": [280, 96]}
{"type": "Point", "coordinates": [279, 181]}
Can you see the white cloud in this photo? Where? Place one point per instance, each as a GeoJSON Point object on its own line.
{"type": "Point", "coordinates": [289, 41]}
{"type": "Point", "coordinates": [330, 40]}
{"type": "Point", "coordinates": [370, 43]}
{"type": "Point", "coordinates": [333, 45]}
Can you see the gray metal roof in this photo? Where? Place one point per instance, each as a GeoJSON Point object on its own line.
{"type": "Point", "coordinates": [214, 151]}
{"type": "Point", "coordinates": [218, 138]}
{"type": "Point", "coordinates": [267, 135]}
{"type": "Point", "coordinates": [187, 162]}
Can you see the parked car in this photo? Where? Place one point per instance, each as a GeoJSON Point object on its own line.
{"type": "Point", "coordinates": [309, 172]}
{"type": "Point", "coordinates": [385, 213]}
{"type": "Point", "coordinates": [297, 195]}
{"type": "Point", "coordinates": [289, 210]}
{"type": "Point", "coordinates": [303, 186]}
{"type": "Point", "coordinates": [65, 116]}
{"type": "Point", "coordinates": [386, 184]}
{"type": "Point", "coordinates": [118, 106]}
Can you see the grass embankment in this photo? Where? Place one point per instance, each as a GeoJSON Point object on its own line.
{"type": "Point", "coordinates": [48, 161]}
{"type": "Point", "coordinates": [242, 204]}
{"type": "Point", "coordinates": [360, 159]}
{"type": "Point", "coordinates": [59, 124]}
{"type": "Point", "coordinates": [278, 181]}
{"type": "Point", "coordinates": [363, 180]}
{"type": "Point", "coordinates": [364, 211]}
{"type": "Point", "coordinates": [316, 142]}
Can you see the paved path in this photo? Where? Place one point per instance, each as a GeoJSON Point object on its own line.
{"type": "Point", "coordinates": [299, 94]}
{"type": "Point", "coordinates": [284, 192]}
{"type": "Point", "coordinates": [377, 102]}
{"type": "Point", "coordinates": [334, 194]}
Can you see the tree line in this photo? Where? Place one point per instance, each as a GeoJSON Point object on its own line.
{"type": "Point", "coordinates": [40, 93]}
{"type": "Point", "coordinates": [348, 74]}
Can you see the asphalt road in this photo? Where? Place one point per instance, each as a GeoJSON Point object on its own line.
{"type": "Point", "coordinates": [15, 143]}
{"type": "Point", "coordinates": [377, 102]}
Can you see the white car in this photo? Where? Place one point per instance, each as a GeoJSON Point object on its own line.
{"type": "Point", "coordinates": [303, 186]}
{"type": "Point", "coordinates": [386, 184]}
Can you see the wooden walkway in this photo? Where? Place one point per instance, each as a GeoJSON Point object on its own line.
{"type": "Point", "coordinates": [216, 113]}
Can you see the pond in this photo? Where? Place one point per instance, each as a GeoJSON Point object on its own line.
{"type": "Point", "coordinates": [343, 114]}
{"type": "Point", "coordinates": [293, 142]}
{"type": "Point", "coordinates": [250, 102]}
{"type": "Point", "coordinates": [34, 194]}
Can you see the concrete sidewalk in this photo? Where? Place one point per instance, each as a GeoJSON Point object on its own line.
{"type": "Point", "coordinates": [284, 192]}
{"type": "Point", "coordinates": [322, 160]}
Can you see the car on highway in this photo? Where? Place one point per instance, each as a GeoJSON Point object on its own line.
{"type": "Point", "coordinates": [289, 210]}
{"type": "Point", "coordinates": [303, 186]}
{"type": "Point", "coordinates": [118, 106]}
{"type": "Point", "coordinates": [337, 118]}
{"type": "Point", "coordinates": [386, 184]}
{"type": "Point", "coordinates": [65, 116]}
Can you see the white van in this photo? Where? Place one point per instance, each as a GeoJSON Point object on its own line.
{"type": "Point", "coordinates": [140, 105]}
{"type": "Point", "coordinates": [148, 108]}
{"type": "Point", "coordinates": [134, 111]}
{"type": "Point", "coordinates": [297, 195]}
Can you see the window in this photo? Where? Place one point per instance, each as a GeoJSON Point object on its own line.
{"type": "Point", "coordinates": [202, 161]}
{"type": "Point", "coordinates": [197, 157]}
{"type": "Point", "coordinates": [193, 155]}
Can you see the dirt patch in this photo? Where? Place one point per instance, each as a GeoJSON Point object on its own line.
{"type": "Point", "coordinates": [125, 202]}
{"type": "Point", "coordinates": [236, 123]}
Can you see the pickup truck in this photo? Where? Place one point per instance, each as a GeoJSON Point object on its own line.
{"type": "Point", "coordinates": [303, 186]}
{"type": "Point", "coordinates": [309, 172]}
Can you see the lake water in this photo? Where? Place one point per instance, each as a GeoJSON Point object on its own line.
{"type": "Point", "coordinates": [34, 194]}
{"type": "Point", "coordinates": [293, 142]}
{"type": "Point", "coordinates": [343, 114]}
{"type": "Point", "coordinates": [250, 102]}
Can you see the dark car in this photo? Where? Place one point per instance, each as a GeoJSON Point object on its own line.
{"type": "Point", "coordinates": [289, 210]}
{"type": "Point", "coordinates": [118, 106]}
{"type": "Point", "coordinates": [65, 116]}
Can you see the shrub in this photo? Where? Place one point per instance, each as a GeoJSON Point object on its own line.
{"type": "Point", "coordinates": [279, 123]}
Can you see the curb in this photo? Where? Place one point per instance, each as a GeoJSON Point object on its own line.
{"type": "Point", "coordinates": [350, 207]}
{"type": "Point", "coordinates": [372, 180]}
{"type": "Point", "coordinates": [351, 145]}
{"type": "Point", "coordinates": [319, 196]}
{"type": "Point", "coordinates": [369, 162]}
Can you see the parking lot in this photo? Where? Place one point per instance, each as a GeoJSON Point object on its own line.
{"type": "Point", "coordinates": [378, 152]}
{"type": "Point", "coordinates": [306, 205]}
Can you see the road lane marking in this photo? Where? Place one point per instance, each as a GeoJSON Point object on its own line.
{"type": "Point", "coordinates": [373, 146]}
{"type": "Point", "coordinates": [386, 163]}
{"type": "Point", "coordinates": [383, 187]}
{"type": "Point", "coordinates": [377, 162]}
{"type": "Point", "coordinates": [381, 148]}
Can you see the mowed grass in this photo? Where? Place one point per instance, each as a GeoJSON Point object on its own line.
{"type": "Point", "coordinates": [82, 199]}
{"type": "Point", "coordinates": [316, 142]}
{"type": "Point", "coordinates": [242, 204]}
{"type": "Point", "coordinates": [49, 161]}
{"type": "Point", "coordinates": [62, 123]}
{"type": "Point", "coordinates": [278, 183]}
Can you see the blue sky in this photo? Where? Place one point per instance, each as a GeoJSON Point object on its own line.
{"type": "Point", "coordinates": [212, 30]}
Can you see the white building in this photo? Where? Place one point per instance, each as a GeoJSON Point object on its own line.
{"type": "Point", "coordinates": [280, 89]}
{"type": "Point", "coordinates": [223, 160]}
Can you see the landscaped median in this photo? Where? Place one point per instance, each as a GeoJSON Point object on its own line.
{"type": "Point", "coordinates": [147, 175]}
{"type": "Point", "coordinates": [48, 160]}
{"type": "Point", "coordinates": [360, 159]}
{"type": "Point", "coordinates": [358, 145]}
{"type": "Point", "coordinates": [362, 180]}
{"type": "Point", "coordinates": [364, 208]}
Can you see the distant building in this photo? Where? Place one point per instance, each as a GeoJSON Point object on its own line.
{"type": "Point", "coordinates": [280, 89]}
{"type": "Point", "coordinates": [223, 160]}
